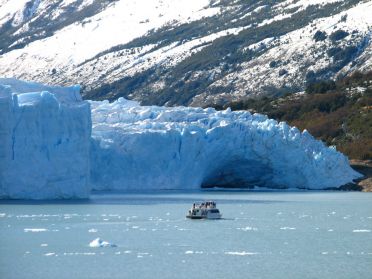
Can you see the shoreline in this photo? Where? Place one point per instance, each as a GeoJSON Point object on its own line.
{"type": "Point", "coordinates": [364, 167]}
{"type": "Point", "coordinates": [363, 184]}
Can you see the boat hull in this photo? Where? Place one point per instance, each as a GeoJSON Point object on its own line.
{"type": "Point", "coordinates": [195, 217]}
{"type": "Point", "coordinates": [214, 216]}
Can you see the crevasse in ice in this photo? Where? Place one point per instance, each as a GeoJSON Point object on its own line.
{"type": "Point", "coordinates": [55, 145]}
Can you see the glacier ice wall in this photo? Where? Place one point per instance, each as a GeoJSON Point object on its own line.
{"type": "Point", "coordinates": [44, 141]}
{"type": "Point", "coordinates": [150, 147]}
{"type": "Point", "coordinates": [51, 148]}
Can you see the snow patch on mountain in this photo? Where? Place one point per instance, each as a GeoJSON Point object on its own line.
{"type": "Point", "coordinates": [296, 51]}
{"type": "Point", "coordinates": [303, 4]}
{"type": "Point", "coordinates": [128, 38]}
{"type": "Point", "coordinates": [119, 23]}
{"type": "Point", "coordinates": [11, 9]}
{"type": "Point", "coordinates": [113, 64]}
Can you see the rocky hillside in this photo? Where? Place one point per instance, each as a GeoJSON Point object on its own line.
{"type": "Point", "coordinates": [189, 52]}
{"type": "Point", "coordinates": [338, 113]}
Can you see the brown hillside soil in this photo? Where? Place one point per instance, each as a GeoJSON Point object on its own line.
{"type": "Point", "coordinates": [364, 167]}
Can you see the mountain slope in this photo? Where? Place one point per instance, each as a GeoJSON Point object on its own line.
{"type": "Point", "coordinates": [338, 113]}
{"type": "Point", "coordinates": [184, 52]}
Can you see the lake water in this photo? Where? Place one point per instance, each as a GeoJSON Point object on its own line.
{"type": "Point", "coordinates": [263, 235]}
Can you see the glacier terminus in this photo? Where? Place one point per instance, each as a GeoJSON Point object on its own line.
{"type": "Point", "coordinates": [54, 145]}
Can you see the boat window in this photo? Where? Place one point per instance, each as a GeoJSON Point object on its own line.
{"type": "Point", "coordinates": [214, 211]}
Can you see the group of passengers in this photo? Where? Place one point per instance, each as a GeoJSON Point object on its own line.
{"type": "Point", "coordinates": [208, 204]}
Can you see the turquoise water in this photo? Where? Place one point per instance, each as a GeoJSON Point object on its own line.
{"type": "Point", "coordinates": [263, 235]}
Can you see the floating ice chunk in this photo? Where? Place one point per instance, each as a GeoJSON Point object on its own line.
{"type": "Point", "coordinates": [100, 243]}
{"type": "Point", "coordinates": [92, 230]}
{"type": "Point", "coordinates": [287, 228]}
{"type": "Point", "coordinates": [361, 231]}
{"type": "Point", "coordinates": [35, 230]}
{"type": "Point", "coordinates": [248, 229]}
{"type": "Point", "coordinates": [79, 253]}
{"type": "Point", "coordinates": [243, 253]}
{"type": "Point", "coordinates": [49, 254]}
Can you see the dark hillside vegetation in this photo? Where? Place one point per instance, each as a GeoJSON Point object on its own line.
{"type": "Point", "coordinates": [336, 112]}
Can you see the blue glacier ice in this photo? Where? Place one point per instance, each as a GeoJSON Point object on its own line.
{"type": "Point", "coordinates": [150, 147]}
{"type": "Point", "coordinates": [55, 145]}
{"type": "Point", "coordinates": [44, 141]}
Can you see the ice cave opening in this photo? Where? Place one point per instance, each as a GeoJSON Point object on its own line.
{"type": "Point", "coordinates": [239, 173]}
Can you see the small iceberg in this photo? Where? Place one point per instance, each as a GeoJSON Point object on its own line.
{"type": "Point", "coordinates": [361, 231]}
{"type": "Point", "coordinates": [35, 230]}
{"type": "Point", "coordinates": [101, 243]}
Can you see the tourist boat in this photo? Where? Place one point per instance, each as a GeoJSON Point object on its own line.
{"type": "Point", "coordinates": [204, 210]}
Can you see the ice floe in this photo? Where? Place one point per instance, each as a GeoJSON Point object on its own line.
{"type": "Point", "coordinates": [96, 243]}
{"type": "Point", "coordinates": [35, 230]}
{"type": "Point", "coordinates": [243, 253]}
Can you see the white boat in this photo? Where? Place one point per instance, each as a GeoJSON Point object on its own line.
{"type": "Point", "coordinates": [204, 210]}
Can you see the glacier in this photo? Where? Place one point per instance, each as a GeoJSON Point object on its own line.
{"type": "Point", "coordinates": [151, 147]}
{"type": "Point", "coordinates": [44, 141]}
{"type": "Point", "coordinates": [55, 145]}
